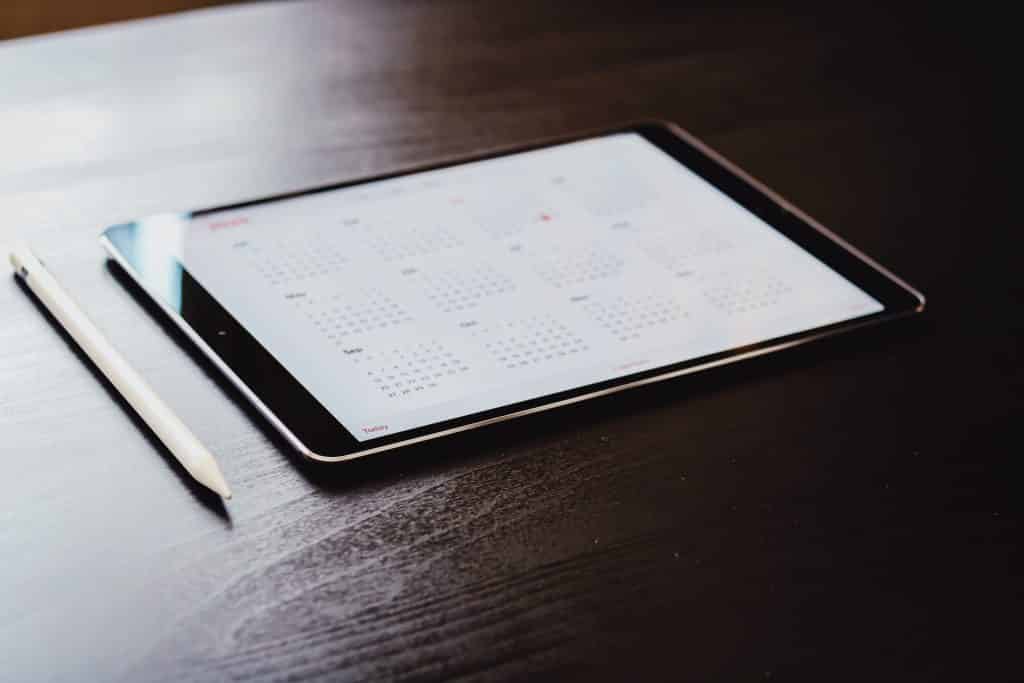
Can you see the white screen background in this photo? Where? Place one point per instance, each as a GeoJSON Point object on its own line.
{"type": "Point", "coordinates": [432, 296]}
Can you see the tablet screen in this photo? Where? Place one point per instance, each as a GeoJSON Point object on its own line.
{"type": "Point", "coordinates": [428, 297]}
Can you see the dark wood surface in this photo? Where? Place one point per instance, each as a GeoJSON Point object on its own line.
{"type": "Point", "coordinates": [840, 512]}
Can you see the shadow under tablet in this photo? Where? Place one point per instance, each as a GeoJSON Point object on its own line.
{"type": "Point", "coordinates": [531, 428]}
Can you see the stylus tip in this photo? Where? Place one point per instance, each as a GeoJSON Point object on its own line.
{"type": "Point", "coordinates": [210, 476]}
{"type": "Point", "coordinates": [223, 490]}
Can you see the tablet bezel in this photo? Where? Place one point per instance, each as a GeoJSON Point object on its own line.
{"type": "Point", "coordinates": [317, 434]}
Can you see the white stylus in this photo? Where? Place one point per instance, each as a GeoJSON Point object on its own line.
{"type": "Point", "coordinates": [180, 441]}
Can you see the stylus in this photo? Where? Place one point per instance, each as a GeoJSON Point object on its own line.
{"type": "Point", "coordinates": [180, 441]}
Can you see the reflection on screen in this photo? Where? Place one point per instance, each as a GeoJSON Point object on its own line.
{"type": "Point", "coordinates": [415, 300]}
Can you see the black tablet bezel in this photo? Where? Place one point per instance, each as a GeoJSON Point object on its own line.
{"type": "Point", "coordinates": [318, 434]}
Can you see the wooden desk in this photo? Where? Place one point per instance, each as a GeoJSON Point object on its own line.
{"type": "Point", "coordinates": [842, 512]}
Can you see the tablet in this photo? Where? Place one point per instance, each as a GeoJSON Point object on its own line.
{"type": "Point", "coordinates": [367, 315]}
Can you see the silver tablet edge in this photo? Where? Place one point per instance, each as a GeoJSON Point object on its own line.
{"type": "Point", "coordinates": [254, 399]}
{"type": "Point", "coordinates": [795, 210]}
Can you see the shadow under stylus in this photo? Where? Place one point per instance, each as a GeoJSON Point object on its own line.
{"type": "Point", "coordinates": [204, 496]}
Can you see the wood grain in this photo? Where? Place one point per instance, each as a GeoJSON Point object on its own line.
{"type": "Point", "coordinates": [844, 512]}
